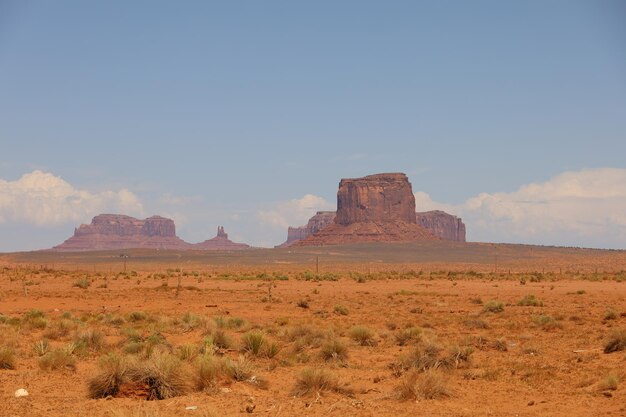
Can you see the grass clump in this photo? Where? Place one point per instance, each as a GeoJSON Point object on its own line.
{"type": "Point", "coordinates": [90, 340]}
{"type": "Point", "coordinates": [112, 372]}
{"type": "Point", "coordinates": [7, 358]}
{"type": "Point", "coordinates": [530, 301]}
{"type": "Point", "coordinates": [207, 373]}
{"type": "Point", "coordinates": [57, 359]}
{"type": "Point", "coordinates": [240, 369]}
{"type": "Point", "coordinates": [493, 306]}
{"type": "Point", "coordinates": [82, 283]}
{"type": "Point", "coordinates": [315, 380]}
{"type": "Point", "coordinates": [610, 314]}
{"type": "Point", "coordinates": [341, 310]}
{"type": "Point", "coordinates": [405, 336]}
{"type": "Point", "coordinates": [616, 341]}
{"type": "Point", "coordinates": [41, 347]}
{"type": "Point", "coordinates": [164, 376]}
{"type": "Point", "coordinates": [546, 323]}
{"type": "Point", "coordinates": [363, 335]}
{"type": "Point", "coordinates": [34, 319]}
{"type": "Point", "coordinates": [429, 385]}
{"type": "Point", "coordinates": [253, 342]}
{"type": "Point", "coordinates": [334, 350]}
{"type": "Point", "coordinates": [609, 383]}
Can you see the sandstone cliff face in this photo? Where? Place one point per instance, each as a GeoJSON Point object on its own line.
{"type": "Point", "coordinates": [375, 208]}
{"type": "Point", "coordinates": [116, 231]}
{"type": "Point", "coordinates": [314, 225]}
{"type": "Point", "coordinates": [375, 198]}
{"type": "Point", "coordinates": [443, 225]}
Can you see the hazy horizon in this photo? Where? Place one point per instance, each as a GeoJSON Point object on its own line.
{"type": "Point", "coordinates": [509, 115]}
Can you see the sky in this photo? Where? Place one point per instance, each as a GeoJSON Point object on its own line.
{"type": "Point", "coordinates": [247, 114]}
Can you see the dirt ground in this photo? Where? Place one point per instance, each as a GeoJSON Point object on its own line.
{"type": "Point", "coordinates": [527, 360]}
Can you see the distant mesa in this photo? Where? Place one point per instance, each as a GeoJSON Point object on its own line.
{"type": "Point", "coordinates": [376, 208]}
{"type": "Point", "coordinates": [117, 231]}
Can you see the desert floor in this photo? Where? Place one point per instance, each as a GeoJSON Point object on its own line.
{"type": "Point", "coordinates": [395, 323]}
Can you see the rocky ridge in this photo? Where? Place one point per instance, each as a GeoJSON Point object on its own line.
{"type": "Point", "coordinates": [117, 231]}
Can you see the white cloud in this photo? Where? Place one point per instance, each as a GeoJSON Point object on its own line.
{"type": "Point", "coordinates": [583, 208]}
{"type": "Point", "coordinates": [44, 199]}
{"type": "Point", "coordinates": [294, 212]}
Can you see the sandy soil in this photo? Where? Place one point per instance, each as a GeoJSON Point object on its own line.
{"type": "Point", "coordinates": [547, 370]}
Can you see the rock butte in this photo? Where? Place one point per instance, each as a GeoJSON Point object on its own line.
{"type": "Point", "coordinates": [117, 231]}
{"type": "Point", "coordinates": [376, 208]}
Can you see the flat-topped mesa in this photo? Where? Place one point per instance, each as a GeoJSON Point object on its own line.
{"type": "Point", "coordinates": [219, 242]}
{"type": "Point", "coordinates": [117, 231]}
{"type": "Point", "coordinates": [443, 225]}
{"type": "Point", "coordinates": [375, 198]}
{"type": "Point", "coordinates": [375, 208]}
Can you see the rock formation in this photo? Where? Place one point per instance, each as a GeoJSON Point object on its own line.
{"type": "Point", "coordinates": [116, 231]}
{"type": "Point", "coordinates": [220, 242]}
{"type": "Point", "coordinates": [375, 208]}
{"type": "Point", "coordinates": [443, 225]}
{"type": "Point", "coordinates": [314, 225]}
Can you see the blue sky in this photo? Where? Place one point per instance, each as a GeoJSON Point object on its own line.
{"type": "Point", "coordinates": [247, 114]}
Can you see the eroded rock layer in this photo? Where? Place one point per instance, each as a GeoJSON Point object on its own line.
{"type": "Point", "coordinates": [443, 225]}
{"type": "Point", "coordinates": [116, 231]}
{"type": "Point", "coordinates": [375, 208]}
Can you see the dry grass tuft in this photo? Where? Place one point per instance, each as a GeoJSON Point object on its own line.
{"type": "Point", "coordinates": [315, 380]}
{"type": "Point", "coordinates": [616, 341]}
{"type": "Point", "coordinates": [430, 385]}
{"type": "Point", "coordinates": [7, 358]}
{"type": "Point", "coordinates": [57, 359]}
{"type": "Point", "coordinates": [334, 350]}
{"type": "Point", "coordinates": [112, 371]}
{"type": "Point", "coordinates": [363, 335]}
{"type": "Point", "coordinates": [164, 376]}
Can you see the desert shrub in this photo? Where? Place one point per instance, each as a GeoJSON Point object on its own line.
{"type": "Point", "coordinates": [136, 316]}
{"type": "Point", "coordinates": [271, 349]}
{"type": "Point", "coordinates": [57, 359]}
{"type": "Point", "coordinates": [334, 350]}
{"type": "Point", "coordinates": [616, 341]}
{"type": "Point", "coordinates": [191, 321]}
{"type": "Point", "coordinates": [59, 329]}
{"type": "Point", "coordinates": [429, 385]}
{"type": "Point", "coordinates": [7, 358]}
{"type": "Point", "coordinates": [476, 300]}
{"type": "Point", "coordinates": [133, 348]}
{"type": "Point", "coordinates": [460, 354]}
{"type": "Point", "coordinates": [408, 335]}
{"type": "Point", "coordinates": [610, 314]}
{"type": "Point", "coordinates": [41, 347]}
{"type": "Point", "coordinates": [476, 324]}
{"type": "Point", "coordinates": [187, 352]}
{"type": "Point", "coordinates": [156, 343]}
{"type": "Point", "coordinates": [363, 335]}
{"type": "Point", "coordinates": [341, 310]}
{"type": "Point", "coordinates": [530, 300]}
{"type": "Point", "coordinates": [303, 304]}
{"type": "Point", "coordinates": [423, 357]}
{"type": "Point", "coordinates": [609, 383]}
{"type": "Point", "coordinates": [207, 373]}
{"type": "Point", "coordinates": [34, 319]}
{"type": "Point", "coordinates": [500, 344]}
{"type": "Point", "coordinates": [252, 342]}
{"type": "Point", "coordinates": [240, 369]}
{"type": "Point", "coordinates": [112, 371]}
{"type": "Point", "coordinates": [493, 306]}
{"type": "Point", "coordinates": [164, 376]}
{"type": "Point", "coordinates": [82, 283]}
{"type": "Point", "coordinates": [546, 322]}
{"type": "Point", "coordinates": [90, 340]}
{"type": "Point", "coordinates": [315, 380]}
{"type": "Point", "coordinates": [304, 336]}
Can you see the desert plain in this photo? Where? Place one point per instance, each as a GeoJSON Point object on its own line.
{"type": "Point", "coordinates": [430, 328]}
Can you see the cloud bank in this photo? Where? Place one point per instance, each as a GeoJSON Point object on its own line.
{"type": "Point", "coordinates": [582, 208]}
{"type": "Point", "coordinates": [294, 212]}
{"type": "Point", "coordinates": [43, 199]}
